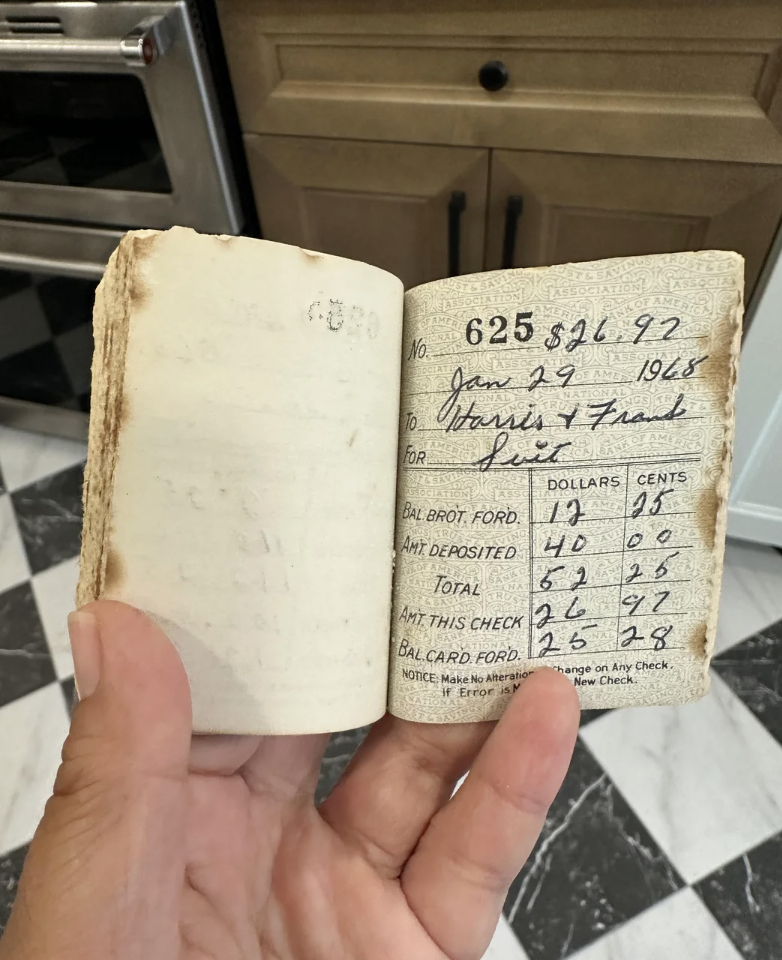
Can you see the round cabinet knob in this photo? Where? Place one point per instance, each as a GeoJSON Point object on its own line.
{"type": "Point", "coordinates": [493, 75]}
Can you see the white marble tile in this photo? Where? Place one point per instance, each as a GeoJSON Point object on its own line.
{"type": "Point", "coordinates": [504, 945]}
{"type": "Point", "coordinates": [26, 457]}
{"type": "Point", "coordinates": [678, 928]}
{"type": "Point", "coordinates": [751, 592]}
{"type": "Point", "coordinates": [14, 568]}
{"type": "Point", "coordinates": [705, 779]}
{"type": "Point", "coordinates": [32, 731]}
{"type": "Point", "coordinates": [55, 594]}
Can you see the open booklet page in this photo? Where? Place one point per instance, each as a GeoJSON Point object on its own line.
{"type": "Point", "coordinates": [241, 471]}
{"type": "Point", "coordinates": [564, 461]}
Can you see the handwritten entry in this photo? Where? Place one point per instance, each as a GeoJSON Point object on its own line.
{"type": "Point", "coordinates": [564, 459]}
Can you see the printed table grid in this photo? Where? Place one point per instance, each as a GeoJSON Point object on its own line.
{"type": "Point", "coordinates": [657, 636]}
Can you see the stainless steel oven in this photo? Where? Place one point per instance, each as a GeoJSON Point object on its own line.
{"type": "Point", "coordinates": [112, 115]}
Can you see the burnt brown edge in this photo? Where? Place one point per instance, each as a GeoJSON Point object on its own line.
{"type": "Point", "coordinates": [128, 287]}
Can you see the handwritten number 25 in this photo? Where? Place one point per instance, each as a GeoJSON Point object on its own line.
{"type": "Point", "coordinates": [522, 330]}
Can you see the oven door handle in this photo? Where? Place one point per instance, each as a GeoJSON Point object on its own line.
{"type": "Point", "coordinates": [142, 46]}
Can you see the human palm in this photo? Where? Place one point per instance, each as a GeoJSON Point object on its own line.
{"type": "Point", "coordinates": [161, 846]}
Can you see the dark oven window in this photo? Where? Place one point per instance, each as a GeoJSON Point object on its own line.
{"type": "Point", "coordinates": [79, 130]}
{"type": "Point", "coordinates": [46, 338]}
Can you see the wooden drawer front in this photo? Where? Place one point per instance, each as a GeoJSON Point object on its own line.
{"type": "Point", "coordinates": [643, 93]}
{"type": "Point", "coordinates": [587, 208]}
{"type": "Point", "coordinates": [383, 203]}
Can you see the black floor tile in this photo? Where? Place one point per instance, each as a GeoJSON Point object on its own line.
{"type": "Point", "coordinates": [22, 150]}
{"type": "Point", "coordinates": [339, 751]}
{"type": "Point", "coordinates": [37, 375]}
{"type": "Point", "coordinates": [746, 898]}
{"type": "Point", "coordinates": [67, 302]}
{"type": "Point", "coordinates": [25, 661]}
{"type": "Point", "coordinates": [23, 327]}
{"type": "Point", "coordinates": [86, 164]}
{"type": "Point", "coordinates": [10, 871]}
{"type": "Point", "coordinates": [69, 692]}
{"type": "Point", "coordinates": [12, 281]}
{"type": "Point", "coordinates": [753, 670]}
{"type": "Point", "coordinates": [76, 348]}
{"type": "Point", "coordinates": [587, 716]}
{"type": "Point", "coordinates": [49, 513]}
{"type": "Point", "coordinates": [594, 867]}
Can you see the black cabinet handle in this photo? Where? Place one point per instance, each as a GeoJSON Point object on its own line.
{"type": "Point", "coordinates": [456, 206]}
{"type": "Point", "coordinates": [513, 211]}
{"type": "Point", "coordinates": [493, 75]}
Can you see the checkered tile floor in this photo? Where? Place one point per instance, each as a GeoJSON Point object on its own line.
{"type": "Point", "coordinates": [46, 338]}
{"type": "Point", "coordinates": [79, 130]}
{"type": "Point", "coordinates": [665, 842]}
{"type": "Point", "coordinates": [120, 163]}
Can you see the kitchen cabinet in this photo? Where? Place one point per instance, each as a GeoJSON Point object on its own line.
{"type": "Point", "coordinates": [585, 207]}
{"type": "Point", "coordinates": [393, 205]}
{"type": "Point", "coordinates": [388, 204]}
{"type": "Point", "coordinates": [692, 79]}
{"type": "Point", "coordinates": [625, 127]}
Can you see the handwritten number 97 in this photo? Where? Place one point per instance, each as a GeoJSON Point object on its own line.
{"type": "Point", "coordinates": [646, 320]}
{"type": "Point", "coordinates": [498, 327]}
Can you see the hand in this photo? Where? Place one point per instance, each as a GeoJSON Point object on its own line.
{"type": "Point", "coordinates": [159, 846]}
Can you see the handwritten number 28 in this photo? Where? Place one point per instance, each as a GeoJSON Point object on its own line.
{"type": "Point", "coordinates": [659, 635]}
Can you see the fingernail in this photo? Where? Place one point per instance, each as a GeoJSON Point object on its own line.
{"type": "Point", "coordinates": [85, 648]}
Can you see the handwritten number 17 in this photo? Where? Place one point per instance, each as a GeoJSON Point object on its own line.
{"type": "Point", "coordinates": [573, 505]}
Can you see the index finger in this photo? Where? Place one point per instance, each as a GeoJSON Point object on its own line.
{"type": "Point", "coordinates": [458, 876]}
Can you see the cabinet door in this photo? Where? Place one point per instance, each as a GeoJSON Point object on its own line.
{"type": "Point", "coordinates": [384, 203]}
{"type": "Point", "coordinates": [586, 207]}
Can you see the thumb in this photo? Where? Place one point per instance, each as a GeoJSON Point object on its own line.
{"type": "Point", "coordinates": [104, 872]}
